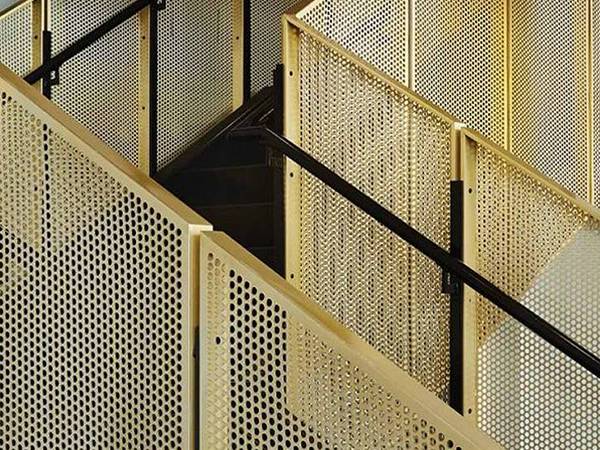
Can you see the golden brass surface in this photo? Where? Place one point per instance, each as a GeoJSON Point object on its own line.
{"type": "Point", "coordinates": [260, 338]}
{"type": "Point", "coordinates": [98, 298]}
{"type": "Point", "coordinates": [396, 148]}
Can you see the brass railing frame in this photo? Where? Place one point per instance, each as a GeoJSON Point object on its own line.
{"type": "Point", "coordinates": [138, 182]}
{"type": "Point", "coordinates": [324, 326]}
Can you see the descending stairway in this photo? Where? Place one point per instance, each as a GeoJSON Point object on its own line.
{"type": "Point", "coordinates": [333, 263]}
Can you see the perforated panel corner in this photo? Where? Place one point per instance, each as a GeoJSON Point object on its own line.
{"type": "Point", "coordinates": [397, 152]}
{"type": "Point", "coordinates": [259, 344]}
{"type": "Point", "coordinates": [460, 61]}
{"type": "Point", "coordinates": [100, 87]}
{"type": "Point", "coordinates": [376, 31]}
{"type": "Point", "coordinates": [195, 76]}
{"type": "Point", "coordinates": [94, 297]}
{"type": "Point", "coordinates": [266, 32]}
{"type": "Point", "coordinates": [539, 247]}
{"type": "Point", "coordinates": [549, 89]}
{"type": "Point", "coordinates": [16, 38]}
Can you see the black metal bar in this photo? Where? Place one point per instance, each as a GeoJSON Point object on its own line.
{"type": "Point", "coordinates": [455, 396]}
{"type": "Point", "coordinates": [247, 50]}
{"type": "Point", "coordinates": [441, 257]}
{"type": "Point", "coordinates": [47, 56]}
{"type": "Point", "coordinates": [153, 89]}
{"type": "Point", "coordinates": [81, 44]}
{"type": "Point", "coordinates": [278, 174]}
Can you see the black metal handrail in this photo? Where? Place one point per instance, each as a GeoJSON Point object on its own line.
{"type": "Point", "coordinates": [48, 71]}
{"type": "Point", "coordinates": [440, 256]}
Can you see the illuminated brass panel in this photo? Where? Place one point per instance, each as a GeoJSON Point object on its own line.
{"type": "Point", "coordinates": [397, 149]}
{"type": "Point", "coordinates": [197, 81]}
{"type": "Point", "coordinates": [377, 31]}
{"type": "Point", "coordinates": [460, 61]}
{"type": "Point", "coordinates": [259, 339]}
{"type": "Point", "coordinates": [537, 243]}
{"type": "Point", "coordinates": [97, 305]}
{"type": "Point", "coordinates": [16, 49]}
{"type": "Point", "coordinates": [549, 52]}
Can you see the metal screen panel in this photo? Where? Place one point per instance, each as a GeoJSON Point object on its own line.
{"type": "Point", "coordinates": [539, 245]}
{"type": "Point", "coordinates": [396, 150]}
{"type": "Point", "coordinates": [260, 338]}
{"type": "Point", "coordinates": [595, 61]}
{"type": "Point", "coordinates": [16, 35]}
{"type": "Point", "coordinates": [460, 61]}
{"type": "Point", "coordinates": [71, 20]}
{"type": "Point", "coordinates": [100, 87]}
{"type": "Point", "coordinates": [376, 31]}
{"type": "Point", "coordinates": [196, 77]}
{"type": "Point", "coordinates": [96, 298]}
{"type": "Point", "coordinates": [265, 39]}
{"type": "Point", "coordinates": [549, 48]}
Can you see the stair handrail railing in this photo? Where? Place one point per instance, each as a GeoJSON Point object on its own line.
{"type": "Point", "coordinates": [450, 264]}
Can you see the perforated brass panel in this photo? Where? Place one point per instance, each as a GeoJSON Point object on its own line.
{"type": "Point", "coordinates": [196, 76]}
{"type": "Point", "coordinates": [550, 89]}
{"type": "Point", "coordinates": [265, 39]}
{"type": "Point", "coordinates": [71, 20]}
{"type": "Point", "coordinates": [16, 39]}
{"type": "Point", "coordinates": [96, 301]}
{"type": "Point", "coordinates": [260, 338]}
{"type": "Point", "coordinates": [397, 151]}
{"type": "Point", "coordinates": [376, 31]}
{"type": "Point", "coordinates": [460, 61]}
{"type": "Point", "coordinates": [532, 242]}
{"type": "Point", "coordinates": [100, 86]}
{"type": "Point", "coordinates": [595, 61]}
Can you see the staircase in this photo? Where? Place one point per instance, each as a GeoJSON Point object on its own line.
{"type": "Point", "coordinates": [190, 259]}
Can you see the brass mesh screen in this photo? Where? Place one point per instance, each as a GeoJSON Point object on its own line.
{"type": "Point", "coordinates": [538, 246]}
{"type": "Point", "coordinates": [376, 31]}
{"type": "Point", "coordinates": [276, 375]}
{"type": "Point", "coordinates": [95, 303]}
{"type": "Point", "coordinates": [195, 72]}
{"type": "Point", "coordinates": [100, 86]}
{"type": "Point", "coordinates": [595, 32]}
{"type": "Point", "coordinates": [265, 39]}
{"type": "Point", "coordinates": [549, 89]}
{"type": "Point", "coordinates": [69, 20]}
{"type": "Point", "coordinates": [397, 152]}
{"type": "Point", "coordinates": [16, 39]}
{"type": "Point", "coordinates": [460, 63]}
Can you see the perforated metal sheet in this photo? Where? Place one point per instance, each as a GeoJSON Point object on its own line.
{"type": "Point", "coordinates": [595, 41]}
{"type": "Point", "coordinates": [398, 152]}
{"type": "Point", "coordinates": [539, 246]}
{"type": "Point", "coordinates": [460, 61]}
{"type": "Point", "coordinates": [16, 34]}
{"type": "Point", "coordinates": [260, 339]}
{"type": "Point", "coordinates": [70, 20]}
{"type": "Point", "coordinates": [100, 87]}
{"type": "Point", "coordinates": [265, 39]}
{"type": "Point", "coordinates": [376, 31]}
{"type": "Point", "coordinates": [196, 74]}
{"type": "Point", "coordinates": [549, 89]}
{"type": "Point", "coordinates": [95, 294]}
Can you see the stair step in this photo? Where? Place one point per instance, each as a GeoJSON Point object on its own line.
{"type": "Point", "coordinates": [231, 154]}
{"type": "Point", "coordinates": [251, 225]}
{"type": "Point", "coordinates": [224, 186]}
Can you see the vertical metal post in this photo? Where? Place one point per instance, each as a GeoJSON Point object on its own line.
{"type": "Point", "coordinates": [153, 87]}
{"type": "Point", "coordinates": [456, 299]}
{"type": "Point", "coordinates": [247, 50]}
{"type": "Point", "coordinates": [48, 80]}
{"type": "Point", "coordinates": [278, 174]}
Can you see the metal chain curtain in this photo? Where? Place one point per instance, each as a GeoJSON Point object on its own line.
{"type": "Point", "coordinates": [523, 73]}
